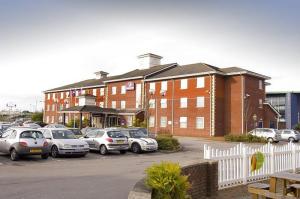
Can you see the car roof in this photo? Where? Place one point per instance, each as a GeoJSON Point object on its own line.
{"type": "Point", "coordinates": [22, 128]}
{"type": "Point", "coordinates": [55, 128]}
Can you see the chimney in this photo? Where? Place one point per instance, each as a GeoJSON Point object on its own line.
{"type": "Point", "coordinates": [101, 74]}
{"type": "Point", "coordinates": [148, 60]}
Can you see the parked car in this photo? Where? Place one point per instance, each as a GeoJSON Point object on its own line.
{"type": "Point", "coordinates": [271, 135]}
{"type": "Point", "coordinates": [4, 126]}
{"type": "Point", "coordinates": [76, 132]}
{"type": "Point", "coordinates": [85, 130]}
{"type": "Point", "coordinates": [23, 141]}
{"type": "Point", "coordinates": [31, 125]}
{"type": "Point", "coordinates": [289, 135]}
{"type": "Point", "coordinates": [139, 141]}
{"type": "Point", "coordinates": [106, 140]}
{"type": "Point", "coordinates": [55, 126]}
{"type": "Point", "coordinates": [63, 142]}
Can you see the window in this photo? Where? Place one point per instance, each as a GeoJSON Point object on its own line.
{"type": "Point", "coordinates": [123, 104]}
{"type": "Point", "coordinates": [183, 102]}
{"type": "Point", "coordinates": [260, 84]}
{"type": "Point", "coordinates": [67, 94]}
{"type": "Point", "coordinates": [61, 107]}
{"type": "Point", "coordinates": [53, 107]}
{"type": "Point", "coordinates": [152, 87]}
{"type": "Point", "coordinates": [95, 92]}
{"type": "Point", "coordinates": [53, 96]}
{"type": "Point", "coordinates": [260, 103]}
{"type": "Point", "coordinates": [152, 103]}
{"type": "Point", "coordinates": [82, 92]}
{"type": "Point", "coordinates": [67, 119]}
{"type": "Point", "coordinates": [183, 122]}
{"type": "Point", "coordinates": [151, 121]}
{"type": "Point", "coordinates": [164, 86]}
{"type": "Point", "coordinates": [113, 104]}
{"type": "Point", "coordinates": [61, 95]}
{"type": "Point", "coordinates": [199, 122]}
{"type": "Point", "coordinates": [77, 93]}
{"type": "Point", "coordinates": [200, 82]}
{"type": "Point", "coordinates": [101, 91]}
{"type": "Point", "coordinates": [113, 90]}
{"type": "Point", "coordinates": [101, 104]}
{"type": "Point", "coordinates": [52, 119]}
{"type": "Point", "coordinates": [183, 84]}
{"type": "Point", "coordinates": [200, 102]}
{"type": "Point", "coordinates": [48, 107]}
{"type": "Point", "coordinates": [163, 103]}
{"type": "Point", "coordinates": [49, 96]}
{"type": "Point", "coordinates": [163, 121]}
{"type": "Point", "coordinates": [123, 89]}
{"type": "Point", "coordinates": [47, 119]}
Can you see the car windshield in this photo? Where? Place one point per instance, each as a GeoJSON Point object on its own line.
{"type": "Point", "coordinates": [32, 134]}
{"type": "Point", "coordinates": [5, 127]}
{"type": "Point", "coordinates": [137, 134]}
{"type": "Point", "coordinates": [63, 134]}
{"type": "Point", "coordinates": [76, 131]}
{"type": "Point", "coordinates": [115, 134]}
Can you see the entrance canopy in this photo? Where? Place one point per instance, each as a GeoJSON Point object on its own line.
{"type": "Point", "coordinates": [89, 109]}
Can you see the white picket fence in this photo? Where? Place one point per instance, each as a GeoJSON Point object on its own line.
{"type": "Point", "coordinates": [234, 164]}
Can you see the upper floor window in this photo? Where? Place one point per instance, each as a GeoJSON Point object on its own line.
{"type": "Point", "coordinates": [163, 121]}
{"type": "Point", "coordinates": [95, 92]}
{"type": "Point", "coordinates": [53, 107]}
{"type": "Point", "coordinates": [123, 89]}
{"type": "Point", "coordinates": [152, 87]}
{"type": "Point", "coordinates": [48, 96]}
{"type": "Point", "coordinates": [183, 102]}
{"type": "Point", "coordinates": [48, 107]}
{"type": "Point", "coordinates": [152, 103]}
{"type": "Point", "coordinates": [123, 104]}
{"type": "Point", "coordinates": [67, 94]}
{"type": "Point", "coordinates": [151, 121]}
{"type": "Point", "coordinates": [260, 84]}
{"type": "Point", "coordinates": [199, 122]}
{"type": "Point", "coordinates": [53, 96]}
{"type": "Point", "coordinates": [200, 102]}
{"type": "Point", "coordinates": [163, 103]}
{"type": "Point", "coordinates": [101, 104]}
{"type": "Point", "coordinates": [113, 90]}
{"type": "Point", "coordinates": [200, 82]}
{"type": "Point", "coordinates": [183, 84]}
{"type": "Point", "coordinates": [61, 95]}
{"type": "Point", "coordinates": [114, 104]}
{"type": "Point", "coordinates": [101, 91]}
{"type": "Point", "coordinates": [164, 85]}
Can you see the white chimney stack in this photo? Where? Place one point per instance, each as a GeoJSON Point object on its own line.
{"type": "Point", "coordinates": [101, 74]}
{"type": "Point", "coordinates": [148, 60]}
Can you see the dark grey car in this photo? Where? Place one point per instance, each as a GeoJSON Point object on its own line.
{"type": "Point", "coordinates": [23, 141]}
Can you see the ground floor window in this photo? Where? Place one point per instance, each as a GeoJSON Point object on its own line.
{"type": "Point", "coordinates": [199, 122]}
{"type": "Point", "coordinates": [129, 120]}
{"type": "Point", "coordinates": [47, 119]}
{"type": "Point", "coordinates": [52, 120]}
{"type": "Point", "coordinates": [183, 122]}
{"type": "Point", "coordinates": [151, 121]}
{"type": "Point", "coordinates": [163, 122]}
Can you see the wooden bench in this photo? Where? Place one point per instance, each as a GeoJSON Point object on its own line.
{"type": "Point", "coordinates": [258, 185]}
{"type": "Point", "coordinates": [257, 190]}
{"type": "Point", "coordinates": [297, 189]}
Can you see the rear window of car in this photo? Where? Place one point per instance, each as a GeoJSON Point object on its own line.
{"type": "Point", "coordinates": [115, 134]}
{"type": "Point", "coordinates": [32, 134]}
{"type": "Point", "coordinates": [76, 131]}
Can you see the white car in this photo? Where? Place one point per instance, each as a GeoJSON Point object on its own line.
{"type": "Point", "coordinates": [139, 141]}
{"type": "Point", "coordinates": [63, 142]}
{"type": "Point", "coordinates": [106, 140]}
{"type": "Point", "coordinates": [271, 135]}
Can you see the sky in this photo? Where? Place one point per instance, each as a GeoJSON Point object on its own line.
{"type": "Point", "coordinates": [49, 43]}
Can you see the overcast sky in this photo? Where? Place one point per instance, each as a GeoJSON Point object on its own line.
{"type": "Point", "coordinates": [46, 44]}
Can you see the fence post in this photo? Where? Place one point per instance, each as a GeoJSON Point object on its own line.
{"type": "Point", "coordinates": [294, 157]}
{"type": "Point", "coordinates": [272, 157]}
{"type": "Point", "coordinates": [206, 152]}
{"type": "Point", "coordinates": [245, 165]}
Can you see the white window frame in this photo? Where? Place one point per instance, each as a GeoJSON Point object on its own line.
{"type": "Point", "coordinates": [47, 119]}
{"type": "Point", "coordinates": [52, 119]}
{"type": "Point", "coordinates": [260, 86]}
{"type": "Point", "coordinates": [101, 91]}
{"type": "Point", "coordinates": [61, 95]}
{"type": "Point", "coordinates": [200, 82]}
{"type": "Point", "coordinates": [152, 103]}
{"type": "Point", "coordinates": [113, 104]}
{"type": "Point", "coordinates": [183, 122]}
{"type": "Point", "coordinates": [123, 104]}
{"type": "Point", "coordinates": [260, 101]}
{"type": "Point", "coordinates": [53, 107]}
{"type": "Point", "coordinates": [200, 102]}
{"type": "Point", "coordinates": [114, 90]}
{"type": "Point", "coordinates": [152, 87]}
{"type": "Point", "coordinates": [49, 96]}
{"type": "Point", "coordinates": [183, 84]}
{"type": "Point", "coordinates": [101, 104]}
{"type": "Point", "coordinates": [48, 107]}
{"type": "Point", "coordinates": [163, 103]}
{"type": "Point", "coordinates": [164, 86]}
{"type": "Point", "coordinates": [82, 92]}
{"type": "Point", "coordinates": [163, 121]}
{"type": "Point", "coordinates": [151, 121]}
{"type": "Point", "coordinates": [95, 92]}
{"type": "Point", "coordinates": [123, 89]}
{"type": "Point", "coordinates": [200, 122]}
{"type": "Point", "coordinates": [183, 102]}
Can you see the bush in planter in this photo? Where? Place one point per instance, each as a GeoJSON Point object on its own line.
{"type": "Point", "coordinates": [167, 143]}
{"type": "Point", "coordinates": [166, 181]}
{"type": "Point", "coordinates": [244, 138]}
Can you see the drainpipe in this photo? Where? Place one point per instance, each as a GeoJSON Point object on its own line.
{"type": "Point", "coordinates": [243, 105]}
{"type": "Point", "coordinates": [173, 86]}
{"type": "Point", "coordinates": [210, 111]}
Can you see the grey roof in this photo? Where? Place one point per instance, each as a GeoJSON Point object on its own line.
{"type": "Point", "coordinates": [85, 83]}
{"type": "Point", "coordinates": [90, 109]}
{"type": "Point", "coordinates": [140, 72]}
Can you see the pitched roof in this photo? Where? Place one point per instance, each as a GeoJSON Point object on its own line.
{"type": "Point", "coordinates": [140, 73]}
{"type": "Point", "coordinates": [236, 70]}
{"type": "Point", "coordinates": [89, 109]}
{"type": "Point", "coordinates": [81, 84]}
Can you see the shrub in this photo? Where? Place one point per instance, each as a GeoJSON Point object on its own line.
{"type": "Point", "coordinates": [37, 117]}
{"type": "Point", "coordinates": [166, 181]}
{"type": "Point", "coordinates": [164, 132]}
{"type": "Point", "coordinates": [167, 143]}
{"type": "Point", "coordinates": [297, 127]}
{"type": "Point", "coordinates": [244, 138]}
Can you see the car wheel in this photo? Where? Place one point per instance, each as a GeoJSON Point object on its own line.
{"type": "Point", "coordinates": [103, 150]}
{"type": "Point", "coordinates": [54, 152]}
{"type": "Point", "coordinates": [45, 156]}
{"type": "Point", "coordinates": [136, 148]}
{"type": "Point", "coordinates": [14, 155]}
{"type": "Point", "coordinates": [123, 151]}
{"type": "Point", "coordinates": [291, 139]}
{"type": "Point", "coordinates": [270, 140]}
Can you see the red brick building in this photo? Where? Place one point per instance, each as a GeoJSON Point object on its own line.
{"type": "Point", "coordinates": [190, 100]}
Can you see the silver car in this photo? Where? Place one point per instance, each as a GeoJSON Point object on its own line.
{"type": "Point", "coordinates": [18, 142]}
{"type": "Point", "coordinates": [289, 135]}
{"type": "Point", "coordinates": [105, 140]}
{"type": "Point", "coordinates": [271, 135]}
{"type": "Point", "coordinates": [63, 142]}
{"type": "Point", "coordinates": [55, 126]}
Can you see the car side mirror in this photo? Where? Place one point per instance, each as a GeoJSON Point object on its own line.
{"type": "Point", "coordinates": [86, 136]}
{"type": "Point", "coordinates": [49, 138]}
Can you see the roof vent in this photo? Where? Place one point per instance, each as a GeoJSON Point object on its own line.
{"type": "Point", "coordinates": [101, 74]}
{"type": "Point", "coordinates": [148, 60]}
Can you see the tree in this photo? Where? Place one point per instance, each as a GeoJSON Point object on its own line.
{"type": "Point", "coordinates": [37, 117]}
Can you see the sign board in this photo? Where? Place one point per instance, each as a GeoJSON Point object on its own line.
{"type": "Point", "coordinates": [130, 86]}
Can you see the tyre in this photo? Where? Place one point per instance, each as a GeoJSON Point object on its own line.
{"type": "Point", "coordinates": [291, 139]}
{"type": "Point", "coordinates": [45, 156]}
{"type": "Point", "coordinates": [270, 140]}
{"type": "Point", "coordinates": [14, 155]}
{"type": "Point", "coordinates": [54, 152]}
{"type": "Point", "coordinates": [103, 150]}
{"type": "Point", "coordinates": [123, 151]}
{"type": "Point", "coordinates": [136, 148]}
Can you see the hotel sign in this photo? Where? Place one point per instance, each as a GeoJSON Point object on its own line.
{"type": "Point", "coordinates": [130, 86]}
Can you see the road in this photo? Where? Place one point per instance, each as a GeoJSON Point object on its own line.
{"type": "Point", "coordinates": [95, 176]}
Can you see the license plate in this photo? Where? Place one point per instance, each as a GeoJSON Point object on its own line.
{"type": "Point", "coordinates": [120, 141]}
{"type": "Point", "coordinates": [35, 150]}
